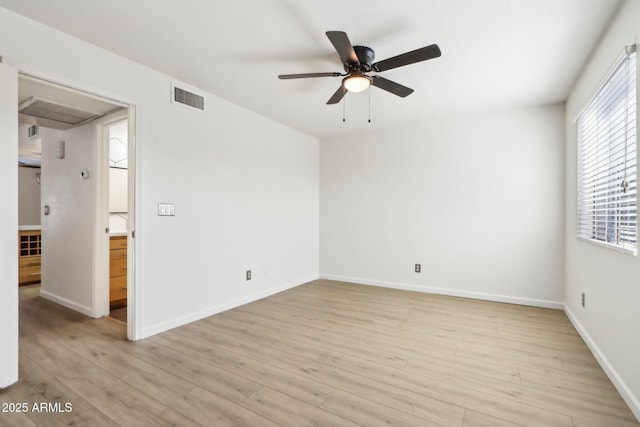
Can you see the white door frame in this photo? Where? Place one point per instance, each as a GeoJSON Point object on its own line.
{"type": "Point", "coordinates": [101, 255]}
{"type": "Point", "coordinates": [102, 235]}
{"type": "Point", "coordinates": [9, 225]}
{"type": "Point", "coordinates": [133, 302]}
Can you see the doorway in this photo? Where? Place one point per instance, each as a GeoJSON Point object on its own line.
{"type": "Point", "coordinates": [74, 185]}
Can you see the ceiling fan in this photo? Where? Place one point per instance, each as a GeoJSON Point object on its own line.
{"type": "Point", "coordinates": [358, 61]}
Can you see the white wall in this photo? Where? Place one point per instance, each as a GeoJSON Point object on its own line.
{"type": "Point", "coordinates": [476, 199]}
{"type": "Point", "coordinates": [28, 196]}
{"type": "Point", "coordinates": [245, 187]}
{"type": "Point", "coordinates": [610, 321]}
{"type": "Point", "coordinates": [67, 232]}
{"type": "Point", "coordinates": [8, 226]}
{"type": "Point", "coordinates": [245, 199]}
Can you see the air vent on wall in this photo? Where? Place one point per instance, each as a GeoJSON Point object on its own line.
{"type": "Point", "coordinates": [184, 97]}
{"type": "Point", "coordinates": [33, 131]}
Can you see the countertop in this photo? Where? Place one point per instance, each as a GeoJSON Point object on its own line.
{"type": "Point", "coordinates": [39, 227]}
{"type": "Point", "coordinates": [29, 227]}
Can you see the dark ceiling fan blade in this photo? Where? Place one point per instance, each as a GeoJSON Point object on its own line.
{"type": "Point", "coordinates": [418, 55]}
{"type": "Point", "coordinates": [340, 41]}
{"type": "Point", "coordinates": [307, 75]}
{"type": "Point", "coordinates": [337, 96]}
{"type": "Point", "coordinates": [391, 86]}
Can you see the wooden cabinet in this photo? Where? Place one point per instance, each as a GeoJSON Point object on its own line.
{"type": "Point", "coordinates": [118, 271]}
{"type": "Point", "coordinates": [29, 256]}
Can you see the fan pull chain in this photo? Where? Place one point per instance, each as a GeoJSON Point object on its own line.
{"type": "Point", "coordinates": [369, 105]}
{"type": "Point", "coordinates": [344, 102]}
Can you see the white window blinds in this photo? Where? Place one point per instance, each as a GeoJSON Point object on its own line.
{"type": "Point", "coordinates": [607, 196]}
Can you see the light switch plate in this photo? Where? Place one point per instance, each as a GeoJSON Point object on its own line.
{"type": "Point", "coordinates": [166, 209]}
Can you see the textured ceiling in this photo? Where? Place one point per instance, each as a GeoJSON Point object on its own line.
{"type": "Point", "coordinates": [495, 53]}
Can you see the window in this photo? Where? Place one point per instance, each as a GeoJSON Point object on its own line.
{"type": "Point", "coordinates": [606, 128]}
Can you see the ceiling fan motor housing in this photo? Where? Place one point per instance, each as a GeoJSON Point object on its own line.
{"type": "Point", "coordinates": [365, 55]}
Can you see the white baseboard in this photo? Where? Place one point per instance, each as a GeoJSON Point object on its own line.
{"type": "Point", "coordinates": [88, 311]}
{"type": "Point", "coordinates": [616, 379]}
{"type": "Point", "coordinates": [183, 320]}
{"type": "Point", "coordinates": [450, 292]}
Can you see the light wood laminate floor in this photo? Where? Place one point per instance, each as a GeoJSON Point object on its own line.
{"type": "Point", "coordinates": [119, 313]}
{"type": "Point", "coordinates": [321, 354]}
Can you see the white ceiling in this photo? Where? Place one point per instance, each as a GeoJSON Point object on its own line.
{"type": "Point", "coordinates": [495, 53]}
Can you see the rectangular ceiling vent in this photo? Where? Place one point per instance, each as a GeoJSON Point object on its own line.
{"type": "Point", "coordinates": [49, 110]}
{"type": "Point", "coordinates": [184, 97]}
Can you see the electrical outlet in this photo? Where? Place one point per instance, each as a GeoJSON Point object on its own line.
{"type": "Point", "coordinates": [582, 300]}
{"type": "Point", "coordinates": [418, 268]}
{"type": "Point", "coordinates": [248, 274]}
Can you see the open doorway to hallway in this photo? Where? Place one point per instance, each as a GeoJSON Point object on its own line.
{"type": "Point", "coordinates": [62, 131]}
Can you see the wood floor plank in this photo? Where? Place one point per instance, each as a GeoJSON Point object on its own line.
{"type": "Point", "coordinates": [478, 419]}
{"type": "Point", "coordinates": [386, 392]}
{"type": "Point", "coordinates": [380, 392]}
{"type": "Point", "coordinates": [324, 353]}
{"type": "Point", "coordinates": [440, 397]}
{"type": "Point", "coordinates": [219, 381]}
{"type": "Point", "coordinates": [12, 414]}
{"type": "Point", "coordinates": [190, 400]}
{"type": "Point", "coordinates": [438, 359]}
{"type": "Point", "coordinates": [513, 395]}
{"type": "Point", "coordinates": [582, 422]}
{"type": "Point", "coordinates": [37, 385]}
{"type": "Point", "coordinates": [119, 401]}
{"type": "Point", "coordinates": [279, 379]}
{"type": "Point", "coordinates": [364, 412]}
{"type": "Point", "coordinates": [290, 411]}
{"type": "Point", "coordinates": [439, 386]}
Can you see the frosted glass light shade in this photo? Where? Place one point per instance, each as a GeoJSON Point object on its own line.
{"type": "Point", "coordinates": [357, 84]}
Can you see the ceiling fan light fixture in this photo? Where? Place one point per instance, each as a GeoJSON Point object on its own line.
{"type": "Point", "coordinates": [358, 60]}
{"type": "Point", "coordinates": [356, 83]}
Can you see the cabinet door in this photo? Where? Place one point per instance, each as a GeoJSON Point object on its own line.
{"type": "Point", "coordinates": [29, 274]}
{"type": "Point", "coordinates": [118, 266]}
{"type": "Point", "coordinates": [118, 288]}
{"type": "Point", "coordinates": [118, 242]}
{"type": "Point", "coordinates": [118, 270]}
